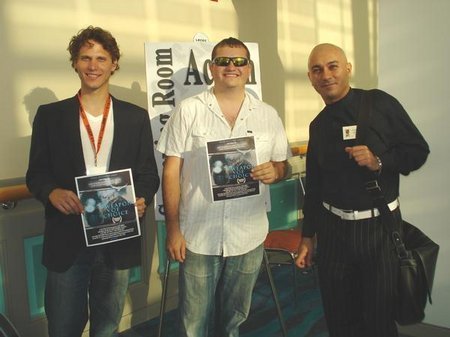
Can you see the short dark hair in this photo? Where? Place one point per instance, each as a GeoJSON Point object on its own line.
{"type": "Point", "coordinates": [229, 42]}
{"type": "Point", "coordinates": [98, 35]}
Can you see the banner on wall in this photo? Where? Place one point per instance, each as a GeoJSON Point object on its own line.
{"type": "Point", "coordinates": [175, 71]}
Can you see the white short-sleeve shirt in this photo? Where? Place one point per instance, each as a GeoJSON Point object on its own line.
{"type": "Point", "coordinates": [230, 227]}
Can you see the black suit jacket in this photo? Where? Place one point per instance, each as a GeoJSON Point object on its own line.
{"type": "Point", "coordinates": [56, 158]}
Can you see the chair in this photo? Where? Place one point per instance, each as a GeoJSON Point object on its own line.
{"type": "Point", "coordinates": [281, 242]}
{"type": "Point", "coordinates": [266, 265]}
{"type": "Point", "coordinates": [284, 235]}
{"type": "Point", "coordinates": [164, 268]}
{"type": "Point", "coordinates": [166, 265]}
{"type": "Point", "coordinates": [7, 329]}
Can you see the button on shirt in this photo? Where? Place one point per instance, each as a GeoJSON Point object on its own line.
{"type": "Point", "coordinates": [231, 227]}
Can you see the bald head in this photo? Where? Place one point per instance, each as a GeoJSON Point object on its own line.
{"type": "Point", "coordinates": [329, 72]}
{"type": "Point", "coordinates": [326, 48]}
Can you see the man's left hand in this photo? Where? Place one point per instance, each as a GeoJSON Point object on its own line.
{"type": "Point", "coordinates": [267, 172]}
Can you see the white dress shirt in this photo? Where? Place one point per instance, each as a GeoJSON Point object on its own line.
{"type": "Point", "coordinates": [230, 227]}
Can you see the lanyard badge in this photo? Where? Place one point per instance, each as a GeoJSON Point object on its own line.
{"type": "Point", "coordinates": [84, 118]}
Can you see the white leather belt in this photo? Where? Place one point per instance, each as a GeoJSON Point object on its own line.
{"type": "Point", "coordinates": [358, 215]}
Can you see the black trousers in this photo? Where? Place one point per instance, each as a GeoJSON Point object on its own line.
{"type": "Point", "coordinates": [357, 269]}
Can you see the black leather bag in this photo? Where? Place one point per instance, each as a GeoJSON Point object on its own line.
{"type": "Point", "coordinates": [417, 255]}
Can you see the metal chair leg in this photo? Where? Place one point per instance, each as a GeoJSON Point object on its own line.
{"type": "Point", "coordinates": [162, 307]}
{"type": "Point", "coordinates": [274, 294]}
{"type": "Point", "coordinates": [294, 272]}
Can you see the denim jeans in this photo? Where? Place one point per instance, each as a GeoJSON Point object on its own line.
{"type": "Point", "coordinates": [87, 289]}
{"type": "Point", "coordinates": [216, 284]}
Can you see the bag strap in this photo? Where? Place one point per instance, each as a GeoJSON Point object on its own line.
{"type": "Point", "coordinates": [374, 189]}
{"type": "Point", "coordinates": [364, 113]}
{"type": "Point", "coordinates": [371, 185]}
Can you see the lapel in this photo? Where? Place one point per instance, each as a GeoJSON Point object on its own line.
{"type": "Point", "coordinates": [119, 133]}
{"type": "Point", "coordinates": [71, 125]}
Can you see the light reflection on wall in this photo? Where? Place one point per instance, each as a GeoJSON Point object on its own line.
{"type": "Point", "coordinates": [301, 25]}
{"type": "Point", "coordinates": [35, 37]}
{"type": "Point", "coordinates": [34, 43]}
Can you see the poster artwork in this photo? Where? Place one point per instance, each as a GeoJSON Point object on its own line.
{"type": "Point", "coordinates": [231, 161]}
{"type": "Point", "coordinates": [109, 202]}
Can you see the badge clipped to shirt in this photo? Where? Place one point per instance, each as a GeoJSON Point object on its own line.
{"type": "Point", "coordinates": [349, 132]}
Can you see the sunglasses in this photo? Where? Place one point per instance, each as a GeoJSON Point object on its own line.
{"type": "Point", "coordinates": [223, 61]}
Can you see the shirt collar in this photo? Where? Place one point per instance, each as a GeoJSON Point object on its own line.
{"type": "Point", "coordinates": [250, 101]}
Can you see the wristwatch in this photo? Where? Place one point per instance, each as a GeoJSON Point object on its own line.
{"type": "Point", "coordinates": [380, 164]}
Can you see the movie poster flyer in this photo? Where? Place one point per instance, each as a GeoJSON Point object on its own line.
{"type": "Point", "coordinates": [109, 201]}
{"type": "Point", "coordinates": [230, 163]}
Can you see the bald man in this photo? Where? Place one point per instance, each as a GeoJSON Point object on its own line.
{"type": "Point", "coordinates": [356, 261]}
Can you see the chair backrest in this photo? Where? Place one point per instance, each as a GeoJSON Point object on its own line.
{"type": "Point", "coordinates": [286, 199]}
{"type": "Point", "coordinates": [7, 329]}
{"type": "Point", "coordinates": [161, 236]}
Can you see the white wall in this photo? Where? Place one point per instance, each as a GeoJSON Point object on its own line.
{"type": "Point", "coordinates": [414, 56]}
{"type": "Point", "coordinates": [35, 63]}
{"type": "Point", "coordinates": [413, 44]}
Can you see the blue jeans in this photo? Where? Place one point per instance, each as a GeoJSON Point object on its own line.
{"type": "Point", "coordinates": [87, 289]}
{"type": "Point", "coordinates": [216, 284]}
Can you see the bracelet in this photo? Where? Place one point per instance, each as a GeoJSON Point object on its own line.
{"type": "Point", "coordinates": [380, 164]}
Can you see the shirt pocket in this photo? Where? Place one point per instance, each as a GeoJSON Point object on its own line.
{"type": "Point", "coordinates": [200, 135]}
{"type": "Point", "coordinates": [263, 144]}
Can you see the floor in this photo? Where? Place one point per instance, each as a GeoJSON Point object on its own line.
{"type": "Point", "coordinates": [301, 308]}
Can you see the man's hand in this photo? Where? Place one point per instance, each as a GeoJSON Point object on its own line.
{"type": "Point", "coordinates": [176, 244]}
{"type": "Point", "coordinates": [65, 201]}
{"type": "Point", "coordinates": [269, 172]}
{"type": "Point", "coordinates": [363, 157]}
{"type": "Point", "coordinates": [305, 253]}
{"type": "Point", "coordinates": [141, 206]}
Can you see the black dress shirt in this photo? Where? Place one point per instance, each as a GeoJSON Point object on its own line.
{"type": "Point", "coordinates": [333, 177]}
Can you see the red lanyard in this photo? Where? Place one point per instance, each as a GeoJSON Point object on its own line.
{"type": "Point", "coordinates": [96, 149]}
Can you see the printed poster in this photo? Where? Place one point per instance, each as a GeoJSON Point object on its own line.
{"type": "Point", "coordinates": [109, 202]}
{"type": "Point", "coordinates": [231, 161]}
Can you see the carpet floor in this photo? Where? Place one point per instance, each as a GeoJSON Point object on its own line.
{"type": "Point", "coordinates": [301, 307]}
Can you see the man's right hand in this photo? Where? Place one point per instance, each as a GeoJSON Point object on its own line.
{"type": "Point", "coordinates": [176, 245]}
{"type": "Point", "coordinates": [66, 201]}
{"type": "Point", "coordinates": [305, 253]}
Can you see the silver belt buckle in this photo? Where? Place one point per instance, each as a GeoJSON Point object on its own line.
{"type": "Point", "coordinates": [348, 213]}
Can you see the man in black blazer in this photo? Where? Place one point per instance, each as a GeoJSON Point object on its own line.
{"type": "Point", "coordinates": [89, 133]}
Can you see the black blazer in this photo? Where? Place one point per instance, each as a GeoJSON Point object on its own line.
{"type": "Point", "coordinates": [56, 158]}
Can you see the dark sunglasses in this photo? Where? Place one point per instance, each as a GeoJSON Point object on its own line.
{"type": "Point", "coordinates": [223, 61]}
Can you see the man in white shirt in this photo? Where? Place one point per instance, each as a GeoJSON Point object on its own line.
{"type": "Point", "coordinates": [219, 244]}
